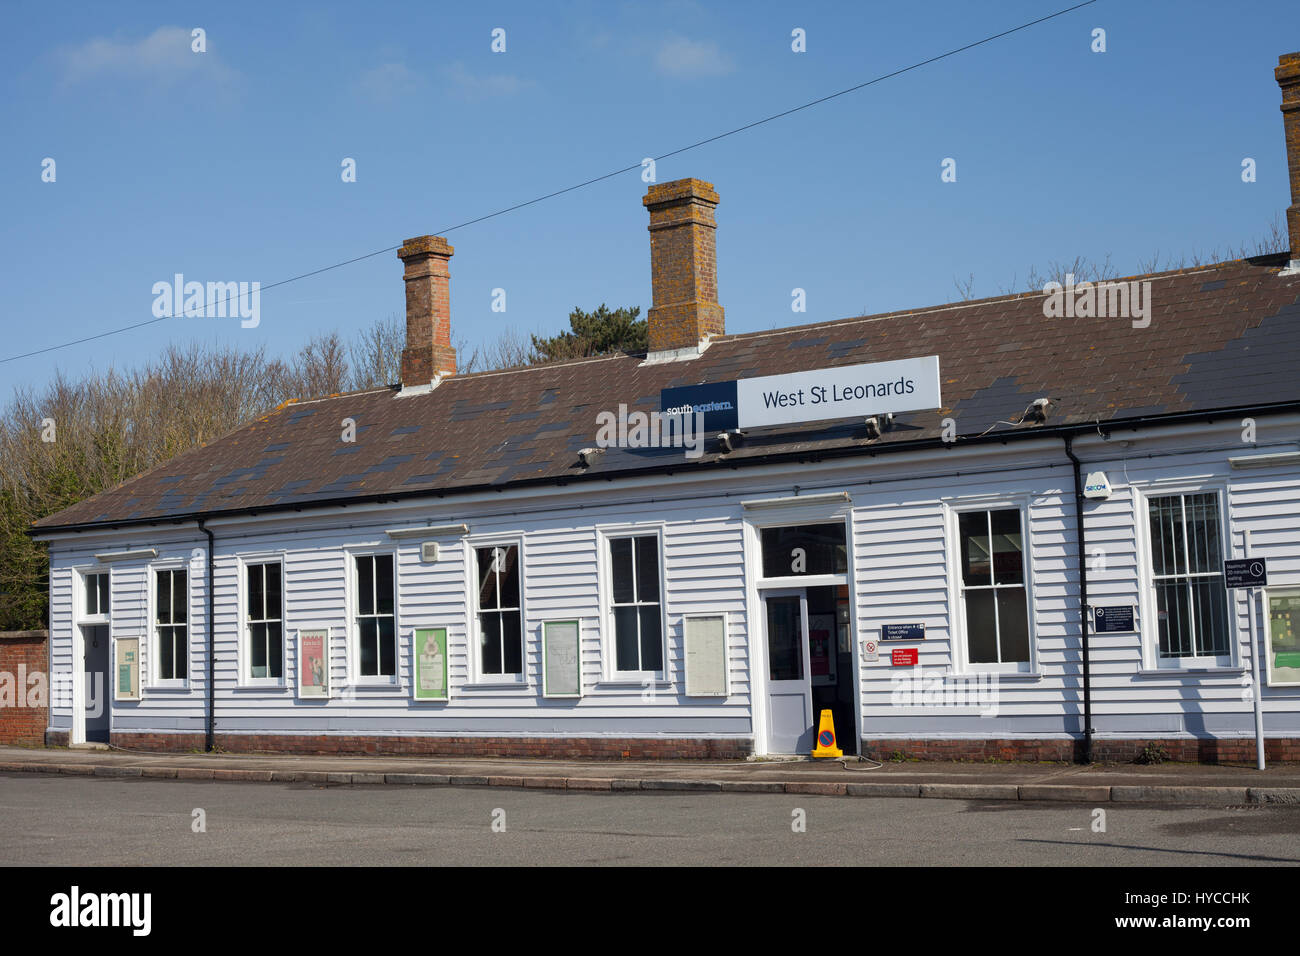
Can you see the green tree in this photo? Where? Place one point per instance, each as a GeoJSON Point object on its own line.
{"type": "Point", "coordinates": [594, 333]}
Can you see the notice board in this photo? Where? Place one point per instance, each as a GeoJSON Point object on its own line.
{"type": "Point", "coordinates": [313, 662]}
{"type": "Point", "coordinates": [705, 637]}
{"type": "Point", "coordinates": [561, 659]}
{"type": "Point", "coordinates": [1283, 653]}
{"type": "Point", "coordinates": [430, 663]}
{"type": "Point", "coordinates": [127, 685]}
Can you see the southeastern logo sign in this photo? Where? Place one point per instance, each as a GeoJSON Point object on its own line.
{"type": "Point", "coordinates": [716, 401]}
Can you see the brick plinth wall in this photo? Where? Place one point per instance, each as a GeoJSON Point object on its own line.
{"type": "Point", "coordinates": [1104, 750]}
{"type": "Point", "coordinates": [22, 654]}
{"type": "Point", "coordinates": [597, 748]}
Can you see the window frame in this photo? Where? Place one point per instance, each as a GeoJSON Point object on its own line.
{"type": "Point", "coordinates": [605, 536]}
{"type": "Point", "coordinates": [1148, 604]}
{"type": "Point", "coordinates": [353, 611]}
{"type": "Point", "coordinates": [155, 681]}
{"type": "Point", "coordinates": [82, 592]}
{"type": "Point", "coordinates": [957, 588]}
{"type": "Point", "coordinates": [245, 563]}
{"type": "Point", "coordinates": [475, 659]}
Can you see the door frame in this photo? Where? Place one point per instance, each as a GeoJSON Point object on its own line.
{"type": "Point", "coordinates": [779, 592]}
{"type": "Point", "coordinates": [757, 586]}
{"type": "Point", "coordinates": [81, 621]}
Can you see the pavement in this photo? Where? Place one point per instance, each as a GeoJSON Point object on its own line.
{"type": "Point", "coordinates": [1169, 783]}
{"type": "Point", "coordinates": [63, 821]}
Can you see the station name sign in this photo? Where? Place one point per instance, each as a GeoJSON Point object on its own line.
{"type": "Point", "coordinates": [850, 391]}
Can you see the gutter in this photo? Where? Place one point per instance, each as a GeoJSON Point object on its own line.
{"type": "Point", "coordinates": [1083, 598]}
{"type": "Point", "coordinates": [858, 450]}
{"type": "Point", "coordinates": [211, 715]}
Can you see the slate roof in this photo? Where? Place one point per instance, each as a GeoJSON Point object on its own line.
{"type": "Point", "coordinates": [1222, 336]}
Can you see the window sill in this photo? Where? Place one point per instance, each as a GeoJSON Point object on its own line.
{"type": "Point", "coordinates": [269, 685]}
{"type": "Point", "coordinates": [622, 681]}
{"type": "Point", "coordinates": [169, 688]}
{"type": "Point", "coordinates": [496, 684]}
{"type": "Point", "coordinates": [1226, 671]}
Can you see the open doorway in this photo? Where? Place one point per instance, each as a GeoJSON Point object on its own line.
{"type": "Point", "coordinates": [94, 697]}
{"type": "Point", "coordinates": [810, 667]}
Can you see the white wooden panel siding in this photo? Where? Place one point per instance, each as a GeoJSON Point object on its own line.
{"type": "Point", "coordinates": [705, 573]}
{"type": "Point", "coordinates": [1267, 503]}
{"type": "Point", "coordinates": [703, 568]}
{"type": "Point", "coordinates": [60, 638]}
{"type": "Point", "coordinates": [559, 584]}
{"type": "Point", "coordinates": [907, 570]}
{"type": "Point", "coordinates": [1130, 701]}
{"type": "Point", "coordinates": [171, 708]}
{"type": "Point", "coordinates": [432, 594]}
{"type": "Point", "coordinates": [903, 569]}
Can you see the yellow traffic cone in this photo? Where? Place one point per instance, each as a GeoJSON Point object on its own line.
{"type": "Point", "coordinates": [826, 738]}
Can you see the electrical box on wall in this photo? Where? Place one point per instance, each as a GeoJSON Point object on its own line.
{"type": "Point", "coordinates": [429, 551]}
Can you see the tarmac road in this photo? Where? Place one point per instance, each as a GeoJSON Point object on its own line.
{"type": "Point", "coordinates": [51, 819]}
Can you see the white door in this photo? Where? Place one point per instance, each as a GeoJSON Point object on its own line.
{"type": "Point", "coordinates": [789, 691]}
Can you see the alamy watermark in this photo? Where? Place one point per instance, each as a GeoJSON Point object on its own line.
{"type": "Point", "coordinates": [939, 690]}
{"type": "Point", "coordinates": [1111, 300]}
{"type": "Point", "coordinates": [671, 428]}
{"type": "Point", "coordinates": [215, 300]}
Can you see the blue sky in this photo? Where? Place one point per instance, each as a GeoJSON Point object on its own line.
{"type": "Point", "coordinates": [225, 165]}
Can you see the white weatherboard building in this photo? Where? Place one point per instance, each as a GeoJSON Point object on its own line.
{"type": "Point", "coordinates": [473, 574]}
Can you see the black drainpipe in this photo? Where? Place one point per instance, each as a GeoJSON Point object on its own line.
{"type": "Point", "coordinates": [212, 645]}
{"type": "Point", "coordinates": [1083, 599]}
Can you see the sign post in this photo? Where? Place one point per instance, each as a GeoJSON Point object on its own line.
{"type": "Point", "coordinates": [1251, 573]}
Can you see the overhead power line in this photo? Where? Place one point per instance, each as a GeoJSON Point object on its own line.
{"type": "Point", "coordinates": [582, 185]}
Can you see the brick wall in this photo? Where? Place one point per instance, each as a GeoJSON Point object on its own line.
{"type": "Point", "coordinates": [1104, 750]}
{"type": "Point", "coordinates": [428, 350]}
{"type": "Point", "coordinates": [22, 655]}
{"type": "Point", "coordinates": [683, 265]}
{"type": "Point", "coordinates": [597, 748]}
{"type": "Point", "coordinates": [1288, 78]}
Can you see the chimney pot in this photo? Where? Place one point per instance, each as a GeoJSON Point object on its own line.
{"type": "Point", "coordinates": [428, 351]}
{"type": "Point", "coordinates": [683, 265]}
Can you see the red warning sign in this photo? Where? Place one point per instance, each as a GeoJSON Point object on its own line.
{"type": "Point", "coordinates": [904, 656]}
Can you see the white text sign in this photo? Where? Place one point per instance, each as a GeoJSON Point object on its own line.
{"type": "Point", "coordinates": [845, 392]}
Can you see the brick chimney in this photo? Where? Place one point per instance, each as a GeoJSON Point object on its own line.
{"type": "Point", "coordinates": [1288, 77]}
{"type": "Point", "coordinates": [428, 349]}
{"type": "Point", "coordinates": [683, 265]}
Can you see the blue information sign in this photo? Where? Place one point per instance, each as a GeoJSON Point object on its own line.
{"type": "Point", "coordinates": [1113, 620]}
{"type": "Point", "coordinates": [902, 632]}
